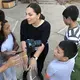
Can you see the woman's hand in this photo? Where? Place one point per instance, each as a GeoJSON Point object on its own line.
{"type": "Point", "coordinates": [33, 63]}
{"type": "Point", "coordinates": [25, 60]}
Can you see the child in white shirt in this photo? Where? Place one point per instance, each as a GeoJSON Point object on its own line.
{"type": "Point", "coordinates": [62, 67]}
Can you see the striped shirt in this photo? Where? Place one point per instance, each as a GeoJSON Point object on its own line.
{"type": "Point", "coordinates": [73, 34]}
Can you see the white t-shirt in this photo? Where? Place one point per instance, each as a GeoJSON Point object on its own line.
{"type": "Point", "coordinates": [58, 70]}
{"type": "Point", "coordinates": [7, 44]}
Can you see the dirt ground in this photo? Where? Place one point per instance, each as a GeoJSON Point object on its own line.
{"type": "Point", "coordinates": [75, 0]}
{"type": "Point", "coordinates": [67, 1]}
{"type": "Point", "coordinates": [72, 1]}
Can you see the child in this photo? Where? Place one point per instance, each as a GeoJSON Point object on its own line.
{"type": "Point", "coordinates": [7, 43]}
{"type": "Point", "coordinates": [61, 67]}
{"type": "Point", "coordinates": [2, 17]}
{"type": "Point", "coordinates": [70, 15]}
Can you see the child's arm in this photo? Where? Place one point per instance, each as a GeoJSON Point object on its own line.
{"type": "Point", "coordinates": [15, 46]}
{"type": "Point", "coordinates": [12, 61]}
{"type": "Point", "coordinates": [47, 76]}
{"type": "Point", "coordinates": [49, 72]}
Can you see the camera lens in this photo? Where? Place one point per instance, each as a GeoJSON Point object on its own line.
{"type": "Point", "coordinates": [37, 43]}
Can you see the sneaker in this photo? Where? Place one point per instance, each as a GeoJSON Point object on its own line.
{"type": "Point", "coordinates": [40, 76]}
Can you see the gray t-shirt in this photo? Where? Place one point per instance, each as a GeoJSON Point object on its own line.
{"type": "Point", "coordinates": [1, 74]}
{"type": "Point", "coordinates": [58, 70]}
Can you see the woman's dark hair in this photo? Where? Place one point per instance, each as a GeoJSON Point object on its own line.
{"type": "Point", "coordinates": [37, 9]}
{"type": "Point", "coordinates": [2, 16]}
{"type": "Point", "coordinates": [69, 48]}
{"type": "Point", "coordinates": [72, 12]}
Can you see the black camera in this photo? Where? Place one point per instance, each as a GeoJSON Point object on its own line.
{"type": "Point", "coordinates": [31, 45]}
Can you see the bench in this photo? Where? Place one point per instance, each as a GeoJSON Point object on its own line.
{"type": "Point", "coordinates": [8, 3]}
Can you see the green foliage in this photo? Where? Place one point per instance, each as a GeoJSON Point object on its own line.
{"type": "Point", "coordinates": [79, 22]}
{"type": "Point", "coordinates": [76, 74]}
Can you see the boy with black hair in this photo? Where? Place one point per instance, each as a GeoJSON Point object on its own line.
{"type": "Point", "coordinates": [70, 15]}
{"type": "Point", "coordinates": [61, 67]}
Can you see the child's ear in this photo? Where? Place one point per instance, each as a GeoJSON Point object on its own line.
{"type": "Point", "coordinates": [65, 58]}
{"type": "Point", "coordinates": [69, 18]}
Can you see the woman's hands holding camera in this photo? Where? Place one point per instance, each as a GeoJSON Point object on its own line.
{"type": "Point", "coordinates": [33, 63]}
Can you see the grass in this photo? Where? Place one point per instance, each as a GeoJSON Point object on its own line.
{"type": "Point", "coordinates": [79, 22]}
{"type": "Point", "coordinates": [76, 74]}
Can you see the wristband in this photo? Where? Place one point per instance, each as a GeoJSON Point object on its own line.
{"type": "Point", "coordinates": [35, 57]}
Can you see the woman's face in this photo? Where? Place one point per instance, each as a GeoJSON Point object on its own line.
{"type": "Point", "coordinates": [6, 29]}
{"type": "Point", "coordinates": [31, 16]}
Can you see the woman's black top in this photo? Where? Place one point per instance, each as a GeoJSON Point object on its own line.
{"type": "Point", "coordinates": [28, 31]}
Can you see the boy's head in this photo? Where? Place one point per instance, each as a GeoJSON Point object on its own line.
{"type": "Point", "coordinates": [65, 50]}
{"type": "Point", "coordinates": [70, 13]}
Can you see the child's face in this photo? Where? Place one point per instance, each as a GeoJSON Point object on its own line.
{"type": "Point", "coordinates": [67, 21]}
{"type": "Point", "coordinates": [6, 29]}
{"type": "Point", "coordinates": [58, 53]}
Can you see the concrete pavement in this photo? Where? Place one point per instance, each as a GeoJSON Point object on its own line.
{"type": "Point", "coordinates": [53, 14]}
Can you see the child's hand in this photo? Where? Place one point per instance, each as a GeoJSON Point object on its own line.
{"type": "Point", "coordinates": [15, 60]}
{"type": "Point", "coordinates": [9, 52]}
{"type": "Point", "coordinates": [47, 76]}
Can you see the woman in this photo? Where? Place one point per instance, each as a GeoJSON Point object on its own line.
{"type": "Point", "coordinates": [35, 27]}
{"type": "Point", "coordinates": [7, 42]}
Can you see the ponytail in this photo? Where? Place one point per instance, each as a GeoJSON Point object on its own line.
{"type": "Point", "coordinates": [42, 16]}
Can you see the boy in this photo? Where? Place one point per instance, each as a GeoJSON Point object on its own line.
{"type": "Point", "coordinates": [61, 67]}
{"type": "Point", "coordinates": [70, 15]}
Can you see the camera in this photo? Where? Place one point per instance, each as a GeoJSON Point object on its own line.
{"type": "Point", "coordinates": [31, 45]}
